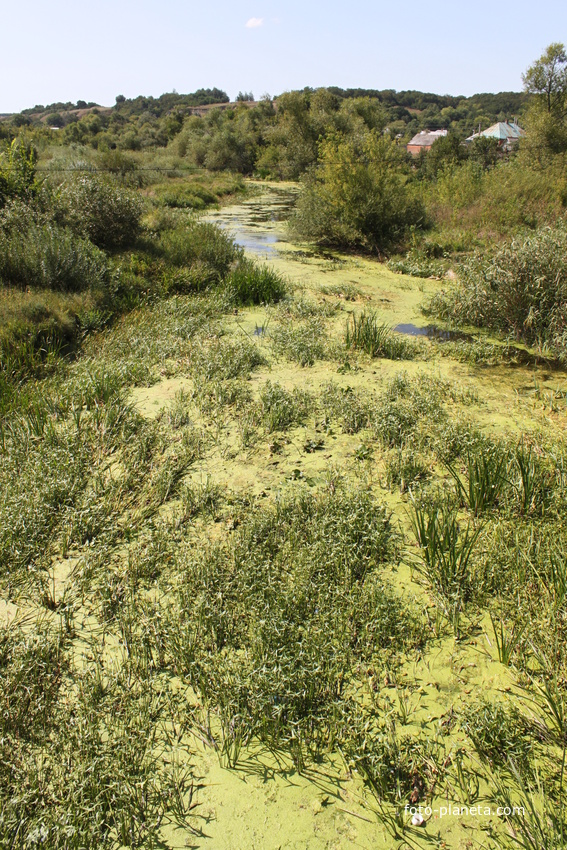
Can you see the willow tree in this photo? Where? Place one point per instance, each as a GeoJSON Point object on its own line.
{"type": "Point", "coordinates": [357, 196]}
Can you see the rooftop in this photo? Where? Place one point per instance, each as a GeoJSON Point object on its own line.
{"type": "Point", "coordinates": [503, 130]}
{"type": "Point", "coordinates": [427, 137]}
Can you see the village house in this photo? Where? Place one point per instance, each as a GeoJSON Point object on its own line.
{"type": "Point", "coordinates": [508, 134]}
{"type": "Point", "coordinates": [424, 140]}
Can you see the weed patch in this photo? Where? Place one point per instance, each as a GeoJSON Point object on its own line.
{"type": "Point", "coordinates": [365, 333]}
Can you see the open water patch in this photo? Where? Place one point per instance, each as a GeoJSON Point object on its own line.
{"type": "Point", "coordinates": [259, 243]}
{"type": "Point", "coordinates": [432, 332]}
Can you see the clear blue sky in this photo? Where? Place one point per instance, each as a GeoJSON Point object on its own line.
{"type": "Point", "coordinates": [52, 50]}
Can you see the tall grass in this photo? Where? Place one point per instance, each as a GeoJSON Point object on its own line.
{"type": "Point", "coordinates": [365, 333]}
{"type": "Point", "coordinates": [250, 283]}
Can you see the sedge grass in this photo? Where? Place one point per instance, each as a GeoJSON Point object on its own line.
{"type": "Point", "coordinates": [365, 333]}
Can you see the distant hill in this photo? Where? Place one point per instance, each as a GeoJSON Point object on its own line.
{"type": "Point", "coordinates": [146, 121]}
{"type": "Point", "coordinates": [160, 106]}
{"type": "Point", "coordinates": [411, 100]}
{"type": "Point", "coordinates": [60, 114]}
{"type": "Point", "coordinates": [402, 105]}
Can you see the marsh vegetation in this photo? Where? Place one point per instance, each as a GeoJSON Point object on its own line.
{"type": "Point", "coordinates": [252, 537]}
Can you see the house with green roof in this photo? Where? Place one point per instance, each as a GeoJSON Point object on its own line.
{"type": "Point", "coordinates": [507, 133]}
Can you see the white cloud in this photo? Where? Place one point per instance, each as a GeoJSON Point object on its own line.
{"type": "Point", "coordinates": [254, 22]}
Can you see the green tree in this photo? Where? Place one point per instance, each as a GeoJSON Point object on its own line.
{"type": "Point", "coordinates": [446, 152]}
{"type": "Point", "coordinates": [485, 151]}
{"type": "Point", "coordinates": [357, 196]}
{"type": "Point", "coordinates": [546, 81]}
{"type": "Point", "coordinates": [21, 120]}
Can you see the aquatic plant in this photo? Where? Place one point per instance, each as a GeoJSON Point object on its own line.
{"type": "Point", "coordinates": [303, 343]}
{"type": "Point", "coordinates": [365, 333]}
{"type": "Point", "coordinates": [487, 471]}
{"type": "Point", "coordinates": [445, 554]}
{"type": "Point", "coordinates": [279, 408]}
{"type": "Point", "coordinates": [264, 662]}
{"type": "Point", "coordinates": [347, 406]}
{"type": "Point", "coordinates": [250, 283]}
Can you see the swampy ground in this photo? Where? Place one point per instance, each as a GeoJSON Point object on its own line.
{"type": "Point", "coordinates": [230, 456]}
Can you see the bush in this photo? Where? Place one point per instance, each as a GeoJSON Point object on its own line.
{"type": "Point", "coordinates": [191, 197]}
{"type": "Point", "coordinates": [17, 171]}
{"type": "Point", "coordinates": [101, 211]}
{"type": "Point", "coordinates": [512, 194]}
{"type": "Point", "coordinates": [49, 257]}
{"type": "Point", "coordinates": [521, 290]}
{"type": "Point", "coordinates": [357, 197]}
{"type": "Point", "coordinates": [200, 243]}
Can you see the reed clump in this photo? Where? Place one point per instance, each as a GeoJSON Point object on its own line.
{"type": "Point", "coordinates": [365, 333]}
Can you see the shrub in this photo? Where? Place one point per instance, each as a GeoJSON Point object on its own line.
{"type": "Point", "coordinates": [17, 171]}
{"type": "Point", "coordinates": [521, 290]}
{"type": "Point", "coordinates": [200, 244]}
{"type": "Point", "coordinates": [357, 197]}
{"type": "Point", "coordinates": [100, 210]}
{"type": "Point", "coordinates": [50, 257]}
{"type": "Point", "coordinates": [514, 193]}
{"type": "Point", "coordinates": [191, 197]}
